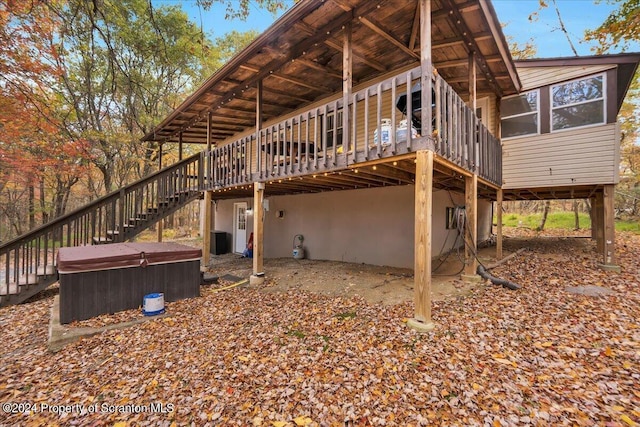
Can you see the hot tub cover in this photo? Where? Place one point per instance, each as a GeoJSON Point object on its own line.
{"type": "Point", "coordinates": [122, 255]}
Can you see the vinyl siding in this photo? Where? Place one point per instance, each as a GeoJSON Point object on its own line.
{"type": "Point", "coordinates": [577, 157]}
{"type": "Point", "coordinates": [535, 77]}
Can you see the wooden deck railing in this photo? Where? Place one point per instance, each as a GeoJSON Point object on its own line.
{"type": "Point", "coordinates": [315, 140]}
{"type": "Point", "coordinates": [29, 260]}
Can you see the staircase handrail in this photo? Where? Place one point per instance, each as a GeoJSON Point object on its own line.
{"type": "Point", "coordinates": [91, 205]}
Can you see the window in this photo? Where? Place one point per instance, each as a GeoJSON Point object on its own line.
{"type": "Point", "coordinates": [578, 103]}
{"type": "Point", "coordinates": [331, 126]}
{"type": "Point", "coordinates": [520, 115]}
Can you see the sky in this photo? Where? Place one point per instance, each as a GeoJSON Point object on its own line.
{"type": "Point", "coordinates": [578, 15]}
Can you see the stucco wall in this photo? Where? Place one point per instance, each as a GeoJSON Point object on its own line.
{"type": "Point", "coordinates": [372, 226]}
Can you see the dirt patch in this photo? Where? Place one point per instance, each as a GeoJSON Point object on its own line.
{"type": "Point", "coordinates": [376, 284]}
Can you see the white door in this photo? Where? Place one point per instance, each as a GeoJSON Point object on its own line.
{"type": "Point", "coordinates": [239, 227]}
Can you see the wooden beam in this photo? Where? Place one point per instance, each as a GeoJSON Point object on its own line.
{"type": "Point", "coordinates": [609, 254]}
{"type": "Point", "coordinates": [592, 216]}
{"type": "Point", "coordinates": [460, 26]}
{"type": "Point", "coordinates": [318, 67]}
{"type": "Point", "coordinates": [347, 86]}
{"type": "Point", "coordinates": [599, 221]}
{"type": "Point", "coordinates": [361, 57]}
{"type": "Point", "coordinates": [471, 226]}
{"type": "Point", "coordinates": [259, 99]}
{"type": "Point", "coordinates": [160, 195]}
{"type": "Point", "coordinates": [422, 239]}
{"type": "Point", "coordinates": [206, 238]}
{"type": "Point", "coordinates": [318, 36]}
{"type": "Point", "coordinates": [472, 82]}
{"type": "Point", "coordinates": [377, 28]}
{"type": "Point", "coordinates": [415, 27]}
{"type": "Point", "coordinates": [258, 230]}
{"type": "Point", "coordinates": [426, 65]}
{"type": "Point", "coordinates": [499, 225]}
{"type": "Point", "coordinates": [209, 123]}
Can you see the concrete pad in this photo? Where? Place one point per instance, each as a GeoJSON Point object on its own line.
{"type": "Point", "coordinates": [471, 278]}
{"type": "Point", "coordinates": [610, 267]}
{"type": "Point", "coordinates": [420, 326]}
{"type": "Point", "coordinates": [61, 335]}
{"type": "Point", "coordinates": [256, 280]}
{"type": "Point", "coordinates": [589, 290]}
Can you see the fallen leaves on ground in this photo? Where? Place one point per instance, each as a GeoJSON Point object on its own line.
{"type": "Point", "coordinates": [537, 356]}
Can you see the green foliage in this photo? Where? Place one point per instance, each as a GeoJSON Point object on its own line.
{"type": "Point", "coordinates": [240, 8]}
{"type": "Point", "coordinates": [628, 225]}
{"type": "Point", "coordinates": [554, 220]}
{"type": "Point", "coordinates": [564, 220]}
{"type": "Point", "coordinates": [620, 28]}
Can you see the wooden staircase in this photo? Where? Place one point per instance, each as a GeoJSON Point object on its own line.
{"type": "Point", "coordinates": [28, 262]}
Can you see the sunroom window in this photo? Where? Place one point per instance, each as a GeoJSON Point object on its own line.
{"type": "Point", "coordinates": [578, 103]}
{"type": "Point", "coordinates": [520, 115]}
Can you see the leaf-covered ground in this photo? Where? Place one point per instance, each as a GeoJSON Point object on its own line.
{"type": "Point", "coordinates": [537, 356]}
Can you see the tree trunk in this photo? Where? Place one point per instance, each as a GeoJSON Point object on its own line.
{"type": "Point", "coordinates": [576, 215]}
{"type": "Point", "coordinates": [32, 207]}
{"type": "Point", "coordinates": [545, 212]}
{"type": "Point", "coordinates": [43, 203]}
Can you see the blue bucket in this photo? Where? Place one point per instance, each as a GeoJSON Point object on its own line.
{"type": "Point", "coordinates": [153, 304]}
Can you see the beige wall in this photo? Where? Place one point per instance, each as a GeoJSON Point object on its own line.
{"type": "Point", "coordinates": [582, 156]}
{"type": "Point", "coordinates": [372, 226]}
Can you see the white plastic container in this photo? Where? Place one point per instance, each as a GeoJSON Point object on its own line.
{"type": "Point", "coordinates": [153, 304]}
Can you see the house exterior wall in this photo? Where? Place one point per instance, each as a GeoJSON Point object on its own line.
{"type": "Point", "coordinates": [372, 226]}
{"type": "Point", "coordinates": [534, 77]}
{"type": "Point", "coordinates": [588, 155]}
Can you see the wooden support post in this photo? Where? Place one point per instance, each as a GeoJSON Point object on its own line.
{"type": "Point", "coordinates": [609, 252]}
{"type": "Point", "coordinates": [592, 216]}
{"type": "Point", "coordinates": [423, 233]}
{"type": "Point", "coordinates": [499, 225]}
{"type": "Point", "coordinates": [180, 153]}
{"type": "Point", "coordinates": [257, 277]}
{"type": "Point", "coordinates": [427, 68]}
{"type": "Point", "coordinates": [471, 228]}
{"type": "Point", "coordinates": [347, 84]}
{"type": "Point", "coordinates": [259, 119]}
{"type": "Point", "coordinates": [162, 193]}
{"type": "Point", "coordinates": [206, 238]}
{"type": "Point", "coordinates": [599, 221]}
{"type": "Point", "coordinates": [472, 82]}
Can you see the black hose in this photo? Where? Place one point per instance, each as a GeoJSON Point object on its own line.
{"type": "Point", "coordinates": [496, 281]}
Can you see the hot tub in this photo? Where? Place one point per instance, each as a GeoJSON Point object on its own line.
{"type": "Point", "coordinates": [109, 278]}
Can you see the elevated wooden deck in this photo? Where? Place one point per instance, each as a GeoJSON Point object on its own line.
{"type": "Point", "coordinates": [313, 145]}
{"type": "Point", "coordinates": [307, 152]}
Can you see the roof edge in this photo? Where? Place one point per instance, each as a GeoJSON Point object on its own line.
{"type": "Point", "coordinates": [619, 58]}
{"type": "Point", "coordinates": [501, 41]}
{"type": "Point", "coordinates": [301, 8]}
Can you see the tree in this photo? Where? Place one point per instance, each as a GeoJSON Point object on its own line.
{"type": "Point", "coordinates": [621, 28]}
{"type": "Point", "coordinates": [241, 8]}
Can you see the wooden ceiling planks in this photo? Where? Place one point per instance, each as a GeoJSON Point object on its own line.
{"type": "Point", "coordinates": [299, 59]}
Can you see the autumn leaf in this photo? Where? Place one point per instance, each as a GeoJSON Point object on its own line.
{"type": "Point", "coordinates": [302, 421]}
